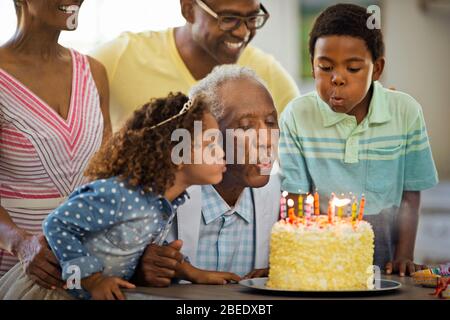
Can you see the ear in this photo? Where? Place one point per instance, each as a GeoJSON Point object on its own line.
{"type": "Point", "coordinates": [378, 67]}
{"type": "Point", "coordinates": [179, 167]}
{"type": "Point", "coordinates": [187, 10]}
{"type": "Point", "coordinates": [312, 69]}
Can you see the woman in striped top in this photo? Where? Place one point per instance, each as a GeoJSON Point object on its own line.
{"type": "Point", "coordinates": [53, 117]}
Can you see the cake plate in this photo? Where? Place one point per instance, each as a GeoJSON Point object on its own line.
{"type": "Point", "coordinates": [384, 285]}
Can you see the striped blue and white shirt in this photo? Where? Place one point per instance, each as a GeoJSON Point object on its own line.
{"type": "Point", "coordinates": [227, 234]}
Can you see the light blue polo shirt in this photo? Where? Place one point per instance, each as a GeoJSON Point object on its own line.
{"type": "Point", "coordinates": [386, 154]}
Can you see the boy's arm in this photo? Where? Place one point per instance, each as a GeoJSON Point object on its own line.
{"type": "Point", "coordinates": [420, 174]}
{"type": "Point", "coordinates": [408, 218]}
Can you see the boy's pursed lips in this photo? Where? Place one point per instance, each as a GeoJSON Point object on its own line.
{"type": "Point", "coordinates": [337, 100]}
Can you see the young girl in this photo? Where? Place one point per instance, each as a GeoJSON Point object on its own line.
{"type": "Point", "coordinates": [100, 232]}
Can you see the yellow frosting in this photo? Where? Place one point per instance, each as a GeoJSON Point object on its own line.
{"type": "Point", "coordinates": [321, 256]}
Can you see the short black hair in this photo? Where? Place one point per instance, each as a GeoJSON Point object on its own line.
{"type": "Point", "coordinates": [347, 20]}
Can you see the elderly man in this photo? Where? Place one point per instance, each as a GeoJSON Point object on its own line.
{"type": "Point", "coordinates": [226, 227]}
{"type": "Point", "coordinates": [152, 64]}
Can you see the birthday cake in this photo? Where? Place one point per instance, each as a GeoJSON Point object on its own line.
{"type": "Point", "coordinates": [321, 253]}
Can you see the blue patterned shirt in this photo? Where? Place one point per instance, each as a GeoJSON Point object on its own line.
{"type": "Point", "coordinates": [104, 226]}
{"type": "Point", "coordinates": [227, 235]}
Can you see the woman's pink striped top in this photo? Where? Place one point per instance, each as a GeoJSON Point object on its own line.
{"type": "Point", "coordinates": [43, 156]}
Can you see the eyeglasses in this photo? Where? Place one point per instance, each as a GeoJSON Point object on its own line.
{"type": "Point", "coordinates": [229, 22]}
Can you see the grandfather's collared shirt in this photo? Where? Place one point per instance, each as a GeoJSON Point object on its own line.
{"type": "Point", "coordinates": [227, 234]}
{"type": "Point", "coordinates": [386, 154]}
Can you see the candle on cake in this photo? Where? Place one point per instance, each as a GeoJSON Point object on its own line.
{"type": "Point", "coordinates": [300, 204]}
{"type": "Point", "coordinates": [283, 204]}
{"type": "Point", "coordinates": [341, 208]}
{"type": "Point", "coordinates": [291, 210]}
{"type": "Point", "coordinates": [341, 203]}
{"type": "Point", "coordinates": [348, 213]}
{"type": "Point", "coordinates": [309, 205]}
{"type": "Point", "coordinates": [316, 204]}
{"type": "Point", "coordinates": [361, 207]}
{"type": "Point", "coordinates": [354, 209]}
{"type": "Point", "coordinates": [331, 208]}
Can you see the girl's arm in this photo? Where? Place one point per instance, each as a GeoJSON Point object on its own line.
{"type": "Point", "coordinates": [186, 271]}
{"type": "Point", "coordinates": [90, 209]}
{"type": "Point", "coordinates": [105, 288]}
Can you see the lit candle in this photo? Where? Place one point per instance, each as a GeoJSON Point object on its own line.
{"type": "Point", "coordinates": [283, 204]}
{"type": "Point", "coordinates": [361, 207]}
{"type": "Point", "coordinates": [316, 204]}
{"type": "Point", "coordinates": [341, 208]}
{"type": "Point", "coordinates": [291, 210]}
{"type": "Point", "coordinates": [330, 215]}
{"type": "Point", "coordinates": [354, 208]}
{"type": "Point", "coordinates": [309, 204]}
{"type": "Point", "coordinates": [348, 212]}
{"type": "Point", "coordinates": [300, 205]}
{"type": "Point", "coordinates": [341, 203]}
{"type": "Point", "coordinates": [331, 208]}
{"type": "Point", "coordinates": [340, 212]}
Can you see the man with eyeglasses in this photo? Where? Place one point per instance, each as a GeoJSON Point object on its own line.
{"type": "Point", "coordinates": [151, 64]}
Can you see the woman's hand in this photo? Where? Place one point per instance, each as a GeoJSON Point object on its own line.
{"type": "Point", "coordinates": [105, 288]}
{"type": "Point", "coordinates": [39, 262]}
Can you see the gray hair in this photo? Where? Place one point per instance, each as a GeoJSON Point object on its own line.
{"type": "Point", "coordinates": [209, 86]}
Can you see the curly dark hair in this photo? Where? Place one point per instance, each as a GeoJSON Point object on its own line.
{"type": "Point", "coordinates": [141, 156]}
{"type": "Point", "coordinates": [347, 20]}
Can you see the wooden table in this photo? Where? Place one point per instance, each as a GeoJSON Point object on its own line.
{"type": "Point", "coordinates": [408, 291]}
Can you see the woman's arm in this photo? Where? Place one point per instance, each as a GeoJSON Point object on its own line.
{"type": "Point", "coordinates": [10, 234]}
{"type": "Point", "coordinates": [39, 261]}
{"type": "Point", "coordinates": [101, 81]}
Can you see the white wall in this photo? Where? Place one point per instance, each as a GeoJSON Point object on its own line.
{"type": "Point", "coordinates": [418, 62]}
{"type": "Point", "coordinates": [280, 35]}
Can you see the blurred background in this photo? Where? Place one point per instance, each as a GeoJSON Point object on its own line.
{"type": "Point", "coordinates": [417, 38]}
